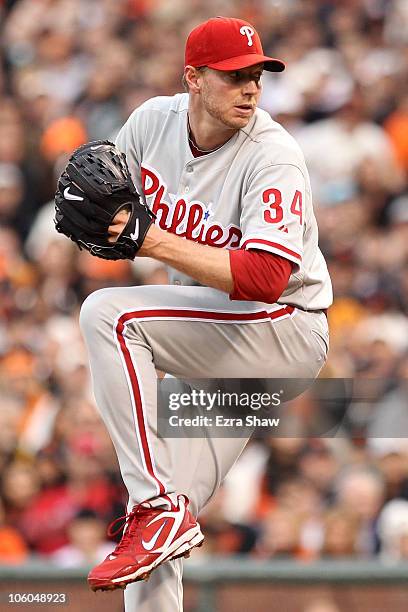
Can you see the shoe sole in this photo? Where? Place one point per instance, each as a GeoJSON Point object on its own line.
{"type": "Point", "coordinates": [191, 539]}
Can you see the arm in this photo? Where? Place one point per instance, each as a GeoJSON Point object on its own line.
{"type": "Point", "coordinates": [207, 265]}
{"type": "Point", "coordinates": [244, 275]}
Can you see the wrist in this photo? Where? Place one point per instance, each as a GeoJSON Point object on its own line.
{"type": "Point", "coordinates": [151, 242]}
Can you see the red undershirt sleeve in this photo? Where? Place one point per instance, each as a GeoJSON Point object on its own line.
{"type": "Point", "coordinates": [258, 275]}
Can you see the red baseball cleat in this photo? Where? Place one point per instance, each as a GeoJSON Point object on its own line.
{"type": "Point", "coordinates": [151, 536]}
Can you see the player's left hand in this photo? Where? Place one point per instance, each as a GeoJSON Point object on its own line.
{"type": "Point", "coordinates": [119, 223]}
{"type": "Point", "coordinates": [97, 205]}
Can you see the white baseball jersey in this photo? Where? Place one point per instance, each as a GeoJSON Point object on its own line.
{"type": "Point", "coordinates": [253, 192]}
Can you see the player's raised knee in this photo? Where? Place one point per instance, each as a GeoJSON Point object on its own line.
{"type": "Point", "coordinates": [94, 311]}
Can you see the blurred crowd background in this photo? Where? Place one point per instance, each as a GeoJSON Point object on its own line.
{"type": "Point", "coordinates": [72, 71]}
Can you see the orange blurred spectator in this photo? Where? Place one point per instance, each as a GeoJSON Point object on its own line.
{"type": "Point", "coordinates": [397, 128]}
{"type": "Point", "coordinates": [13, 549]}
{"type": "Point", "coordinates": [62, 136]}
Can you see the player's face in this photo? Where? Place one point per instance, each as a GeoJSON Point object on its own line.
{"type": "Point", "coordinates": [232, 96]}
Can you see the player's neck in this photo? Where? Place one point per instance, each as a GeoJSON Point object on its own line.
{"type": "Point", "coordinates": [208, 133]}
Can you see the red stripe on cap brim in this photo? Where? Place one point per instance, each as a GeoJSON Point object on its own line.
{"type": "Point", "coordinates": [271, 64]}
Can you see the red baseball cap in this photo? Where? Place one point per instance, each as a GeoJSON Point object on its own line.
{"type": "Point", "coordinates": [224, 43]}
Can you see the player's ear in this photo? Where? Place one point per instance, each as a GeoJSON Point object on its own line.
{"type": "Point", "coordinates": [192, 78]}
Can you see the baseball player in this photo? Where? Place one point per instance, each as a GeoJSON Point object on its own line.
{"type": "Point", "coordinates": [248, 294]}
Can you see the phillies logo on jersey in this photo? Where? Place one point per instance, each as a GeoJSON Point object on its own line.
{"type": "Point", "coordinates": [184, 218]}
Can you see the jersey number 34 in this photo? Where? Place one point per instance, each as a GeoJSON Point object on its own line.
{"type": "Point", "coordinates": [274, 212]}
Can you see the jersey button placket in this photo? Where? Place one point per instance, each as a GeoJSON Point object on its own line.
{"type": "Point", "coordinates": [183, 187]}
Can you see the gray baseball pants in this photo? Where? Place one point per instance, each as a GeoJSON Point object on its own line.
{"type": "Point", "coordinates": [188, 332]}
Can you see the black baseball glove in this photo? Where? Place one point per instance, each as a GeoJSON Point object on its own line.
{"type": "Point", "coordinates": [96, 185]}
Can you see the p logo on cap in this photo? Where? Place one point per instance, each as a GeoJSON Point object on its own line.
{"type": "Point", "coordinates": [249, 32]}
{"type": "Point", "coordinates": [224, 43]}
